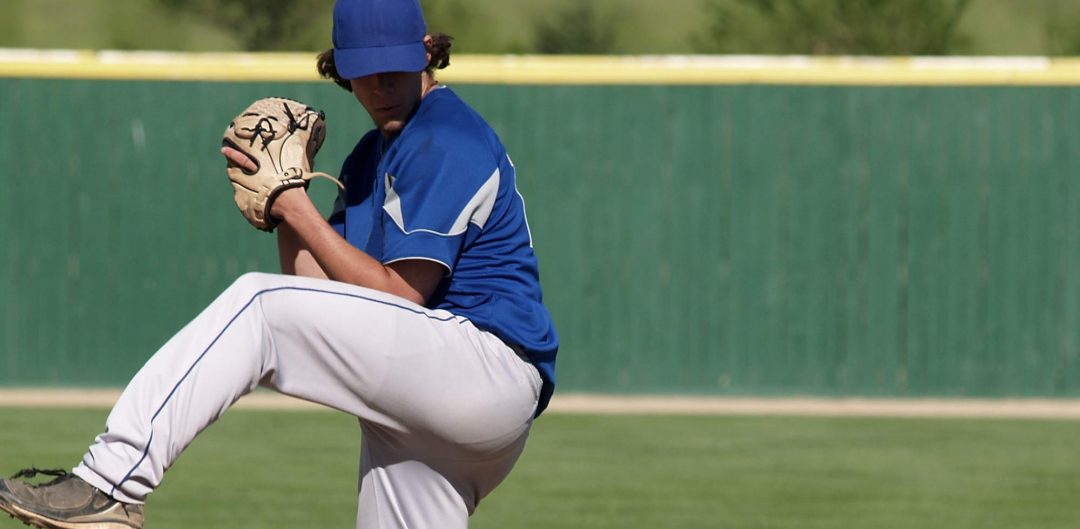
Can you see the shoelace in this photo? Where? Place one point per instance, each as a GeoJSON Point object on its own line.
{"type": "Point", "coordinates": [29, 473]}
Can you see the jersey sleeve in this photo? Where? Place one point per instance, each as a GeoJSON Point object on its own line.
{"type": "Point", "coordinates": [336, 219]}
{"type": "Point", "coordinates": [438, 198]}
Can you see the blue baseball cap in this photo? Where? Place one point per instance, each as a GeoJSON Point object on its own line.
{"type": "Point", "coordinates": [376, 36]}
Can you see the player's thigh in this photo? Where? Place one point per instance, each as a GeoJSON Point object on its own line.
{"type": "Point", "coordinates": [385, 359]}
{"type": "Point", "coordinates": [476, 394]}
{"type": "Point", "coordinates": [334, 343]}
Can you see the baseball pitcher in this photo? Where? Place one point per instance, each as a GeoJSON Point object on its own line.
{"type": "Point", "coordinates": [415, 307]}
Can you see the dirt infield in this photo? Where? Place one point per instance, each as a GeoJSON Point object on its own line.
{"type": "Point", "coordinates": [655, 405]}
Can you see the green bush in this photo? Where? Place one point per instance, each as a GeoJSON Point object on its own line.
{"type": "Point", "coordinates": [832, 27]}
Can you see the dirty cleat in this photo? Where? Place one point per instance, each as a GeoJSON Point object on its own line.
{"type": "Point", "coordinates": [66, 502]}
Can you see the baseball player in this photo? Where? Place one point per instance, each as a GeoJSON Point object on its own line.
{"type": "Point", "coordinates": [416, 307]}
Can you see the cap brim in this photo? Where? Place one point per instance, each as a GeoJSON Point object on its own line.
{"type": "Point", "coordinates": [359, 62]}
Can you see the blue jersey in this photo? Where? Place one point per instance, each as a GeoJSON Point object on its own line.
{"type": "Point", "coordinates": [443, 190]}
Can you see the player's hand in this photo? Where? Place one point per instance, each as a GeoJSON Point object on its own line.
{"type": "Point", "coordinates": [237, 159]}
{"type": "Point", "coordinates": [288, 201]}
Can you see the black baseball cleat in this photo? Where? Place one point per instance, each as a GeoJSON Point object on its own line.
{"type": "Point", "coordinates": [66, 502]}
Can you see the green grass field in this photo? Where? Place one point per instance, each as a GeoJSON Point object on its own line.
{"type": "Point", "coordinates": [298, 469]}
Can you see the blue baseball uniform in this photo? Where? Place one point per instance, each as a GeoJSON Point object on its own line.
{"type": "Point", "coordinates": [444, 191]}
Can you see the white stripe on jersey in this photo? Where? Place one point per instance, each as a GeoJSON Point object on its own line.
{"type": "Point", "coordinates": [476, 211]}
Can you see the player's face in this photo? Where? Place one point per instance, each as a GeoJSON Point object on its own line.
{"type": "Point", "coordinates": [390, 98]}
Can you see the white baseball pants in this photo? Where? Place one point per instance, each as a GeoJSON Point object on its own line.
{"type": "Point", "coordinates": [444, 407]}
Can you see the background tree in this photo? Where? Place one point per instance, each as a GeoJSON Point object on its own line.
{"type": "Point", "coordinates": [578, 27]}
{"type": "Point", "coordinates": [264, 25]}
{"type": "Point", "coordinates": [985, 27]}
{"type": "Point", "coordinates": [1062, 32]}
{"type": "Point", "coordinates": [837, 27]}
{"type": "Point", "coordinates": [466, 20]}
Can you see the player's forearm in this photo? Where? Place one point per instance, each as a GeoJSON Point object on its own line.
{"type": "Point", "coordinates": [333, 255]}
{"type": "Point", "coordinates": [294, 257]}
{"type": "Point", "coordinates": [343, 262]}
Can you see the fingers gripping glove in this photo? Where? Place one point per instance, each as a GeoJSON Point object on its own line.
{"type": "Point", "coordinates": [281, 137]}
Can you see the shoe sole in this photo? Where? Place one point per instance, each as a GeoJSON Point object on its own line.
{"type": "Point", "coordinates": [37, 520]}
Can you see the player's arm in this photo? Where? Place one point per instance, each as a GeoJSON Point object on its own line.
{"type": "Point", "coordinates": [295, 258]}
{"type": "Point", "coordinates": [412, 279]}
{"type": "Point", "coordinates": [309, 246]}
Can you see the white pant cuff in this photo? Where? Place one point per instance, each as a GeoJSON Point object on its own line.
{"type": "Point", "coordinates": [99, 483]}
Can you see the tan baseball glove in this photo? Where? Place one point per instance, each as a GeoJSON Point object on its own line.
{"type": "Point", "coordinates": [281, 137]}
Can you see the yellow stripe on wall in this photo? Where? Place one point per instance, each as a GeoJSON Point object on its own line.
{"type": "Point", "coordinates": [563, 70]}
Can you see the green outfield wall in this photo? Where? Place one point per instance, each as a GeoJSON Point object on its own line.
{"type": "Point", "coordinates": [732, 238]}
